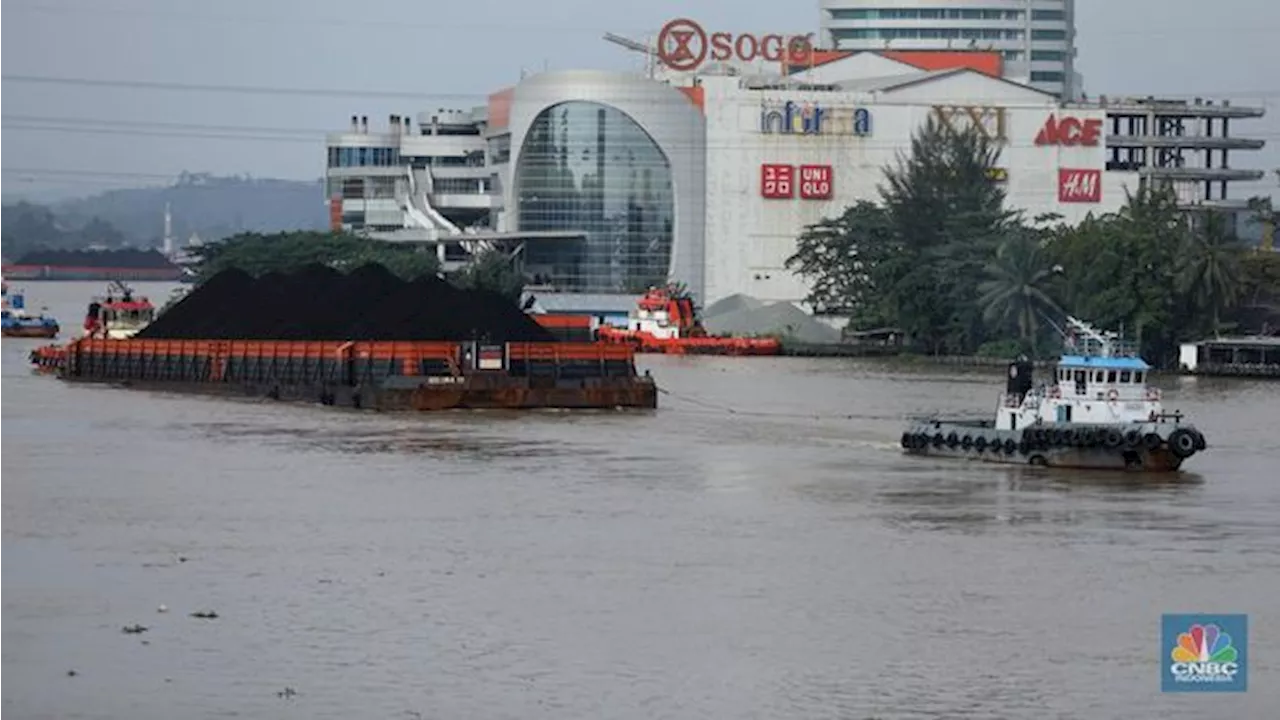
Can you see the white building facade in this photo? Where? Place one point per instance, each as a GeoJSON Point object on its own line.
{"type": "Point", "coordinates": [766, 182]}
{"type": "Point", "coordinates": [608, 183]}
{"type": "Point", "coordinates": [1035, 37]}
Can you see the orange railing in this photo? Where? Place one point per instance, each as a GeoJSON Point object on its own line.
{"type": "Point", "coordinates": [219, 360]}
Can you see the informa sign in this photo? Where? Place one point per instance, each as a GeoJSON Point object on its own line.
{"type": "Point", "coordinates": [777, 182]}
{"type": "Point", "coordinates": [1069, 131]}
{"type": "Point", "coordinates": [810, 118]}
{"type": "Point", "coordinates": [683, 45]}
{"type": "Point", "coordinates": [815, 182]}
{"type": "Point", "coordinates": [1079, 186]}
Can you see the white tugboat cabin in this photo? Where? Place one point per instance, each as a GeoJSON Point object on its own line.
{"type": "Point", "coordinates": [1103, 382]}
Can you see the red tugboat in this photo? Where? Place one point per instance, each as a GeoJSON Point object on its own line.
{"type": "Point", "coordinates": [119, 315]}
{"type": "Point", "coordinates": [665, 321]}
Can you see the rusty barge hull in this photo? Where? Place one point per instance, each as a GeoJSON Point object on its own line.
{"type": "Point", "coordinates": [388, 376]}
{"type": "Point", "coordinates": [477, 394]}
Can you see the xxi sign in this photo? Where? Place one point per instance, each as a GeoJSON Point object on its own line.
{"type": "Point", "coordinates": [989, 122]}
{"type": "Point", "coordinates": [683, 46]}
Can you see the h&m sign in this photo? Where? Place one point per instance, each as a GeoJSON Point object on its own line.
{"type": "Point", "coordinates": [989, 122]}
{"type": "Point", "coordinates": [790, 118]}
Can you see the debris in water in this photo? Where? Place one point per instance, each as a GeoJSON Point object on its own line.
{"type": "Point", "coordinates": [288, 692]}
{"type": "Point", "coordinates": [163, 608]}
{"type": "Point", "coordinates": [134, 629]}
{"type": "Point", "coordinates": [205, 614]}
{"type": "Point", "coordinates": [71, 673]}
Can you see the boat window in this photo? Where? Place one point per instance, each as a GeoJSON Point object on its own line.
{"type": "Point", "coordinates": [1097, 377]}
{"type": "Point", "coordinates": [1111, 377]}
{"type": "Point", "coordinates": [1124, 376]}
{"type": "Point", "coordinates": [1137, 376]}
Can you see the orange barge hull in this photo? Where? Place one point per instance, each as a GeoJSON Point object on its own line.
{"type": "Point", "coordinates": [378, 375]}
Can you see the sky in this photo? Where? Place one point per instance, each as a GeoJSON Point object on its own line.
{"type": "Point", "coordinates": [411, 56]}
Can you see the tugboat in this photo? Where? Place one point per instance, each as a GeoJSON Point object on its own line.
{"type": "Point", "coordinates": [119, 315]}
{"type": "Point", "coordinates": [1098, 413]}
{"type": "Point", "coordinates": [16, 322]}
{"type": "Point", "coordinates": [665, 321]}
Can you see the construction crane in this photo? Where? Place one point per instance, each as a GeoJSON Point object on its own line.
{"type": "Point", "coordinates": [651, 55]}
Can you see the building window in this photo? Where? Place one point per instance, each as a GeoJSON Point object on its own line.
{"type": "Point", "coordinates": [353, 188]}
{"type": "Point", "coordinates": [1012, 55]}
{"type": "Point", "coordinates": [1048, 34]}
{"type": "Point", "coordinates": [1048, 56]}
{"type": "Point", "coordinates": [846, 14]}
{"type": "Point", "coordinates": [1039, 76]}
{"type": "Point", "coordinates": [1048, 15]}
{"type": "Point", "coordinates": [463, 186]}
{"type": "Point", "coordinates": [590, 168]}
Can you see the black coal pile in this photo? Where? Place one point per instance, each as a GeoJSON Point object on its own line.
{"type": "Point", "coordinates": [320, 303]}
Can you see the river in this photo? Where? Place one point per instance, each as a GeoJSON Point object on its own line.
{"type": "Point", "coordinates": [758, 547]}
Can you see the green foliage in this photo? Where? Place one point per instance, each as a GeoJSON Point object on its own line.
{"type": "Point", "coordinates": [29, 227]}
{"type": "Point", "coordinates": [492, 270]}
{"type": "Point", "coordinates": [286, 252]}
{"type": "Point", "coordinates": [942, 260]}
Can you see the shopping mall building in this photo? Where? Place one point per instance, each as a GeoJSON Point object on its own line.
{"type": "Point", "coordinates": [705, 169]}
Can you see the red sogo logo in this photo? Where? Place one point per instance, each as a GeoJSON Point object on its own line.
{"type": "Point", "coordinates": [683, 45]}
{"type": "Point", "coordinates": [1070, 132]}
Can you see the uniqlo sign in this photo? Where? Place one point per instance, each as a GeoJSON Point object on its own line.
{"type": "Point", "coordinates": [815, 182]}
{"type": "Point", "coordinates": [777, 181]}
{"type": "Point", "coordinates": [1079, 186]}
{"type": "Point", "coordinates": [1070, 132]}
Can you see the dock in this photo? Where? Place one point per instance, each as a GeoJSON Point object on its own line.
{"type": "Point", "coordinates": [1256, 356]}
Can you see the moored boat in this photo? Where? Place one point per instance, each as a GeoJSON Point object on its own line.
{"type": "Point", "coordinates": [17, 322]}
{"type": "Point", "coordinates": [1099, 412]}
{"type": "Point", "coordinates": [663, 321]}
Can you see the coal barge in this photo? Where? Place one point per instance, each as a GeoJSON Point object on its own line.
{"type": "Point", "coordinates": [361, 340]}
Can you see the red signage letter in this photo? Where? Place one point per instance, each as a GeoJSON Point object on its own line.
{"type": "Point", "coordinates": [1069, 132]}
{"type": "Point", "coordinates": [776, 181]}
{"type": "Point", "coordinates": [1079, 186]}
{"type": "Point", "coordinates": [815, 182]}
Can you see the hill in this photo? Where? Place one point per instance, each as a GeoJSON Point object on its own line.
{"type": "Point", "coordinates": [212, 207]}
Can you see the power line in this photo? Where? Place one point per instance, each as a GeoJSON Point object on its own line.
{"type": "Point", "coordinates": [242, 89]}
{"type": "Point", "coordinates": [26, 119]}
{"type": "Point", "coordinates": [362, 93]}
{"type": "Point", "coordinates": [300, 19]}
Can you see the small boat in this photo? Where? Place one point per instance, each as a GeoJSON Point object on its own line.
{"type": "Point", "coordinates": [17, 322]}
{"type": "Point", "coordinates": [665, 321]}
{"type": "Point", "coordinates": [119, 314]}
{"type": "Point", "coordinates": [1099, 412]}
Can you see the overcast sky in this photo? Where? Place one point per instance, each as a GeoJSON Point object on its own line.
{"type": "Point", "coordinates": [453, 54]}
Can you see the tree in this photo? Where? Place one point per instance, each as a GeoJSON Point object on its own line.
{"type": "Point", "coordinates": [492, 270]}
{"type": "Point", "coordinates": [258, 254]}
{"type": "Point", "coordinates": [1017, 291]}
{"type": "Point", "coordinates": [948, 216]}
{"type": "Point", "coordinates": [1209, 271]}
{"type": "Point", "coordinates": [839, 256]}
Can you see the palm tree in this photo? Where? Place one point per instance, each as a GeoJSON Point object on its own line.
{"type": "Point", "coordinates": [1017, 286]}
{"type": "Point", "coordinates": [1210, 268]}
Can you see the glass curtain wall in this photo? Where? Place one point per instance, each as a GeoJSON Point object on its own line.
{"type": "Point", "coordinates": [590, 168]}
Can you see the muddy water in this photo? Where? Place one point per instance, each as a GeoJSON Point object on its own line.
{"type": "Point", "coordinates": [758, 547]}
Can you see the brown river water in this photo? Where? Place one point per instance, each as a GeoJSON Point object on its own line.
{"type": "Point", "coordinates": [758, 547]}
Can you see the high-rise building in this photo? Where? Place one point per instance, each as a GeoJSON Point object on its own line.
{"type": "Point", "coordinates": [1036, 37]}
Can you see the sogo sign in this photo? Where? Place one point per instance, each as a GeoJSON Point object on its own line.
{"type": "Point", "coordinates": [683, 46]}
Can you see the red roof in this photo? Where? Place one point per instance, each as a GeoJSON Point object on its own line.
{"type": "Point", "coordinates": [984, 61]}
